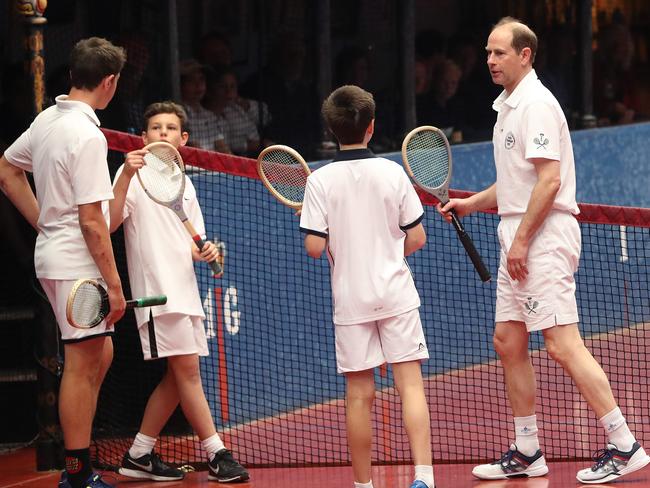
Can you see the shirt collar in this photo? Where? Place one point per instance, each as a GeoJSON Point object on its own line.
{"type": "Point", "coordinates": [65, 105]}
{"type": "Point", "coordinates": [513, 99]}
{"type": "Point", "coordinates": [353, 154]}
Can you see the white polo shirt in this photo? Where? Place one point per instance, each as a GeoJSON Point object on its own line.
{"type": "Point", "coordinates": [66, 151]}
{"type": "Point", "coordinates": [158, 251]}
{"type": "Point", "coordinates": [363, 205]}
{"type": "Point", "coordinates": [531, 124]}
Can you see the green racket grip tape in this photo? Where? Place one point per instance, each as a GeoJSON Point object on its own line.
{"type": "Point", "coordinates": [147, 301]}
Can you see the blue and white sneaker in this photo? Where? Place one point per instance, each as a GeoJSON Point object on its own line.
{"type": "Point", "coordinates": [420, 484]}
{"type": "Point", "coordinates": [611, 464]}
{"type": "Point", "coordinates": [94, 481]}
{"type": "Point", "coordinates": [513, 464]}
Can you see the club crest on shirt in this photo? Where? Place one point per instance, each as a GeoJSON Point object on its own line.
{"type": "Point", "coordinates": [541, 141]}
{"type": "Point", "coordinates": [510, 140]}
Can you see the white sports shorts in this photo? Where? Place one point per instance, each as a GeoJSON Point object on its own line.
{"type": "Point", "coordinates": [173, 334]}
{"type": "Point", "coordinates": [57, 292]}
{"type": "Point", "coordinates": [391, 340]}
{"type": "Point", "coordinates": [546, 298]}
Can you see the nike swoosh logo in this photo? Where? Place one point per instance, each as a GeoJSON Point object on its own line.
{"type": "Point", "coordinates": [147, 467]}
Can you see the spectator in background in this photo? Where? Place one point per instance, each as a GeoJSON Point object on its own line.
{"type": "Point", "coordinates": [221, 98]}
{"type": "Point", "coordinates": [291, 99]}
{"type": "Point", "coordinates": [125, 111]}
{"type": "Point", "coordinates": [205, 128]}
{"type": "Point", "coordinates": [430, 50]}
{"type": "Point", "coordinates": [475, 88]}
{"type": "Point", "coordinates": [614, 95]}
{"type": "Point", "coordinates": [352, 67]}
{"type": "Point", "coordinates": [443, 108]}
{"type": "Point", "coordinates": [214, 50]}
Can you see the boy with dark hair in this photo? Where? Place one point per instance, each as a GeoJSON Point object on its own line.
{"type": "Point", "coordinates": [66, 151]}
{"type": "Point", "coordinates": [174, 331]}
{"type": "Point", "coordinates": [364, 210]}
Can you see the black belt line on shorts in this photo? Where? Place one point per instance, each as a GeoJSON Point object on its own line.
{"type": "Point", "coordinates": [153, 347]}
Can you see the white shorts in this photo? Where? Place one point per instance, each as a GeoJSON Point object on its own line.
{"type": "Point", "coordinates": [391, 340]}
{"type": "Point", "coordinates": [173, 334]}
{"type": "Point", "coordinates": [546, 298]}
{"type": "Point", "coordinates": [57, 292]}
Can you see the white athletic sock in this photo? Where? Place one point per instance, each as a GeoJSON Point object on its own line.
{"type": "Point", "coordinates": [212, 445]}
{"type": "Point", "coordinates": [363, 485]}
{"type": "Point", "coordinates": [526, 435]}
{"type": "Point", "coordinates": [424, 473]}
{"type": "Point", "coordinates": [142, 444]}
{"type": "Point", "coordinates": [617, 430]}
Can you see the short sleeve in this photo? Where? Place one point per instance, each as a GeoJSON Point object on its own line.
{"type": "Point", "coordinates": [89, 175]}
{"type": "Point", "coordinates": [411, 212]}
{"type": "Point", "coordinates": [20, 152]}
{"type": "Point", "coordinates": [313, 218]}
{"type": "Point", "coordinates": [541, 130]}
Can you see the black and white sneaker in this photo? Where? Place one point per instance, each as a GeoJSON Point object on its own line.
{"type": "Point", "coordinates": [224, 469]}
{"type": "Point", "coordinates": [513, 464]}
{"type": "Point", "coordinates": [149, 467]}
{"type": "Point", "coordinates": [611, 464]}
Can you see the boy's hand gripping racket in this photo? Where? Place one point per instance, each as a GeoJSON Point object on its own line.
{"type": "Point", "coordinates": [284, 172]}
{"type": "Point", "coordinates": [427, 159]}
{"type": "Point", "coordinates": [163, 180]}
{"type": "Point", "coordinates": [88, 304]}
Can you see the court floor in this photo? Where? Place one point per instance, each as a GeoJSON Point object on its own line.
{"type": "Point", "coordinates": [17, 470]}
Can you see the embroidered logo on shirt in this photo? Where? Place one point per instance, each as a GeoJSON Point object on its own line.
{"type": "Point", "coordinates": [531, 305]}
{"type": "Point", "coordinates": [510, 140]}
{"type": "Point", "coordinates": [541, 141]}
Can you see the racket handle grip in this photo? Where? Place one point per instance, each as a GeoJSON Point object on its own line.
{"type": "Point", "coordinates": [217, 269]}
{"type": "Point", "coordinates": [468, 244]}
{"type": "Point", "coordinates": [146, 301]}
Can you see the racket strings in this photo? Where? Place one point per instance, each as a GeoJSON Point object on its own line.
{"type": "Point", "coordinates": [162, 175]}
{"type": "Point", "coordinates": [285, 174]}
{"type": "Point", "coordinates": [87, 305]}
{"type": "Point", "coordinates": [428, 156]}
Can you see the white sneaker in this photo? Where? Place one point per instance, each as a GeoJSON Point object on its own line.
{"type": "Point", "coordinates": [513, 464]}
{"type": "Point", "coordinates": [611, 464]}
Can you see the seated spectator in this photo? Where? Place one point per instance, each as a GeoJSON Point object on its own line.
{"type": "Point", "coordinates": [221, 97]}
{"type": "Point", "coordinates": [445, 109]}
{"type": "Point", "coordinates": [291, 99]}
{"type": "Point", "coordinates": [205, 128]}
{"type": "Point", "coordinates": [214, 50]}
{"type": "Point", "coordinates": [352, 67]}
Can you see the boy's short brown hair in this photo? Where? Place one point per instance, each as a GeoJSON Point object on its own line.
{"type": "Point", "coordinates": [166, 107]}
{"type": "Point", "coordinates": [348, 112]}
{"type": "Point", "coordinates": [92, 60]}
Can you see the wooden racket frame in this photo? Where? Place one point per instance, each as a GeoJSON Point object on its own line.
{"type": "Point", "coordinates": [296, 155]}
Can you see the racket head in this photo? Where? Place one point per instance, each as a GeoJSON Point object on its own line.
{"type": "Point", "coordinates": [87, 304]}
{"type": "Point", "coordinates": [163, 175]}
{"type": "Point", "coordinates": [427, 159]}
{"type": "Point", "coordinates": [284, 172]}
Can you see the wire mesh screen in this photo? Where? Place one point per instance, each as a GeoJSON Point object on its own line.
{"type": "Point", "coordinates": [271, 376]}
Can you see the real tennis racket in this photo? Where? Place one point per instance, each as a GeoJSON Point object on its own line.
{"type": "Point", "coordinates": [88, 304]}
{"type": "Point", "coordinates": [284, 172]}
{"type": "Point", "coordinates": [427, 159]}
{"type": "Point", "coordinates": [163, 180]}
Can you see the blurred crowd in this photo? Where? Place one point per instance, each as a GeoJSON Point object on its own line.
{"type": "Point", "coordinates": [240, 115]}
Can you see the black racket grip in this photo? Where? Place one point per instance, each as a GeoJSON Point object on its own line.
{"type": "Point", "coordinates": [217, 269]}
{"type": "Point", "coordinates": [468, 244]}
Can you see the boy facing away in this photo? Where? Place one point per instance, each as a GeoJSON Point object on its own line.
{"type": "Point", "coordinates": [174, 331]}
{"type": "Point", "coordinates": [365, 212]}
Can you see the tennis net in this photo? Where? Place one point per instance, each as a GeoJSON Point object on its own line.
{"type": "Point", "coordinates": [271, 376]}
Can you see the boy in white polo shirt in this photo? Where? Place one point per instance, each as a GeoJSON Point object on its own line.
{"type": "Point", "coordinates": [174, 331]}
{"type": "Point", "coordinates": [66, 152]}
{"type": "Point", "coordinates": [364, 211]}
{"type": "Point", "coordinates": [540, 250]}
